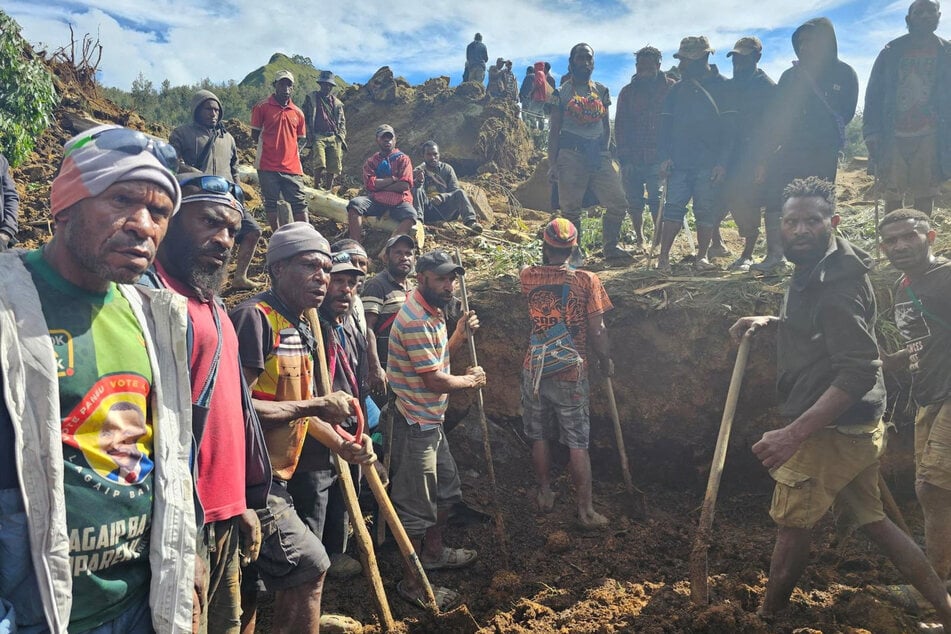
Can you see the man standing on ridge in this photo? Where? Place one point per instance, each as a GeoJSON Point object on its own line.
{"type": "Point", "coordinates": [752, 91]}
{"type": "Point", "coordinates": [907, 117]}
{"type": "Point", "coordinates": [477, 56]}
{"type": "Point", "coordinates": [804, 131]}
{"type": "Point", "coordinates": [694, 146]}
{"type": "Point", "coordinates": [278, 127]}
{"type": "Point", "coordinates": [636, 124]}
{"type": "Point", "coordinates": [205, 145]}
{"type": "Point", "coordinates": [326, 130]}
{"type": "Point", "coordinates": [578, 153]}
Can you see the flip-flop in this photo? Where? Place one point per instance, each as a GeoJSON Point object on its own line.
{"type": "Point", "coordinates": [446, 599]}
{"type": "Point", "coordinates": [451, 558]}
{"type": "Point", "coordinates": [545, 501]}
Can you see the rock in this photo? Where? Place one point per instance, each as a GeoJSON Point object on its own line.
{"type": "Point", "coordinates": [535, 193]}
{"type": "Point", "coordinates": [480, 202]}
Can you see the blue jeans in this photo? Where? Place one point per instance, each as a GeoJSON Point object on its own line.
{"type": "Point", "coordinates": [638, 178]}
{"type": "Point", "coordinates": [684, 185]}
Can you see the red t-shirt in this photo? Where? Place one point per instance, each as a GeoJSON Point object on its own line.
{"type": "Point", "coordinates": [280, 127]}
{"type": "Point", "coordinates": [221, 455]}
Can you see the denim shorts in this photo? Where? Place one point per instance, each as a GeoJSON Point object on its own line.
{"type": "Point", "coordinates": [560, 411]}
{"type": "Point", "coordinates": [695, 184]}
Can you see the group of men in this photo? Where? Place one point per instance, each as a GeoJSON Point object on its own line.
{"type": "Point", "coordinates": [732, 145]}
{"type": "Point", "coordinates": [154, 445]}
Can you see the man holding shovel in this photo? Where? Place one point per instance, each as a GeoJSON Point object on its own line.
{"type": "Point", "coordinates": [277, 347]}
{"type": "Point", "coordinates": [425, 480]}
{"type": "Point", "coordinates": [830, 381]}
{"type": "Point", "coordinates": [554, 379]}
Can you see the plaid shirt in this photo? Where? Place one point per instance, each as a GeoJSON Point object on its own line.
{"type": "Point", "coordinates": [637, 120]}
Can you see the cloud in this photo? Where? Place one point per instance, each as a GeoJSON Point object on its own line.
{"type": "Point", "coordinates": [186, 41]}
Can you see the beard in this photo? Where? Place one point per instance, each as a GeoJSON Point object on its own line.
{"type": "Point", "coordinates": [809, 256]}
{"type": "Point", "coordinates": [76, 236]}
{"type": "Point", "coordinates": [580, 73]}
{"type": "Point", "coordinates": [184, 254]}
{"type": "Point", "coordinates": [435, 298]}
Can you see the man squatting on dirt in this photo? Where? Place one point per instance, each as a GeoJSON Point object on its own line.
{"type": "Point", "coordinates": [830, 381]}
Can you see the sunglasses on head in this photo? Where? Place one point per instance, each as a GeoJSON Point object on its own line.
{"type": "Point", "coordinates": [216, 185]}
{"type": "Point", "coordinates": [340, 257]}
{"type": "Point", "coordinates": [130, 142]}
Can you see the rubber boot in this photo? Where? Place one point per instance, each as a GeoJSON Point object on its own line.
{"type": "Point", "coordinates": [774, 248]}
{"type": "Point", "coordinates": [611, 232]}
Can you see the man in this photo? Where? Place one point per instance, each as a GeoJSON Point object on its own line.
{"type": "Point", "coordinates": [830, 382]}
{"type": "Point", "coordinates": [75, 340]}
{"type": "Point", "coordinates": [383, 297]}
{"type": "Point", "coordinates": [923, 317]}
{"type": "Point", "coordinates": [277, 345]}
{"type": "Point", "coordinates": [752, 91]}
{"type": "Point", "coordinates": [233, 469]}
{"type": "Point", "coordinates": [496, 86]}
{"type": "Point", "coordinates": [578, 143]}
{"type": "Point", "coordinates": [360, 259]}
{"type": "Point", "coordinates": [317, 495]}
{"type": "Point", "coordinates": [525, 94]}
{"type": "Point", "coordinates": [510, 83]}
{"type": "Point", "coordinates": [388, 177]}
{"type": "Point", "coordinates": [636, 123]}
{"type": "Point", "coordinates": [425, 480]}
{"type": "Point", "coordinates": [805, 129]}
{"type": "Point", "coordinates": [208, 147]}
{"type": "Point", "coordinates": [278, 128]}
{"type": "Point", "coordinates": [555, 405]}
{"type": "Point", "coordinates": [907, 105]}
{"type": "Point", "coordinates": [9, 206]}
{"type": "Point", "coordinates": [695, 143]}
{"type": "Point", "coordinates": [438, 195]}
{"type": "Point", "coordinates": [476, 58]}
{"type": "Point", "coordinates": [326, 130]}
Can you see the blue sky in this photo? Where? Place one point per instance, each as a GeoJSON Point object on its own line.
{"type": "Point", "coordinates": [188, 40]}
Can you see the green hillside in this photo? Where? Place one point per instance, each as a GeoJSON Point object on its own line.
{"type": "Point", "coordinates": [305, 75]}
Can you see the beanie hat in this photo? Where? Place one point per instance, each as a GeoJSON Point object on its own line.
{"type": "Point", "coordinates": [560, 233]}
{"type": "Point", "coordinates": [90, 167]}
{"type": "Point", "coordinates": [294, 238]}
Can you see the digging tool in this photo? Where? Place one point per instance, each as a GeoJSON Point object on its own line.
{"type": "Point", "coordinates": [379, 492]}
{"type": "Point", "coordinates": [486, 445]}
{"type": "Point", "coordinates": [699, 592]}
{"type": "Point", "coordinates": [878, 244]}
{"type": "Point", "coordinates": [637, 496]}
{"type": "Point", "coordinates": [386, 427]}
{"type": "Point", "coordinates": [349, 490]}
{"type": "Point", "coordinates": [655, 239]}
{"type": "Point", "coordinates": [891, 507]}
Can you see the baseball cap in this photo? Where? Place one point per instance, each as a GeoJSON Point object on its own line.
{"type": "Point", "coordinates": [402, 236]}
{"type": "Point", "coordinates": [439, 262]}
{"type": "Point", "coordinates": [693, 47]}
{"type": "Point", "coordinates": [343, 264]}
{"type": "Point", "coordinates": [284, 74]}
{"type": "Point", "coordinates": [560, 233]}
{"type": "Point", "coordinates": [746, 46]}
{"type": "Point", "coordinates": [294, 238]}
{"type": "Point", "coordinates": [326, 77]}
{"type": "Point", "coordinates": [383, 129]}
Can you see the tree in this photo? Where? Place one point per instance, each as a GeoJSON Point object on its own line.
{"type": "Point", "coordinates": [27, 95]}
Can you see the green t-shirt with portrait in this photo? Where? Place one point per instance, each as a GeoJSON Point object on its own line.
{"type": "Point", "coordinates": [104, 386]}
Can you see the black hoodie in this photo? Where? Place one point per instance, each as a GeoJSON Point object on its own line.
{"type": "Point", "coordinates": [827, 337]}
{"type": "Point", "coordinates": [801, 119]}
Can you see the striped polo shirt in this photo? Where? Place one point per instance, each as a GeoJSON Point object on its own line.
{"type": "Point", "coordinates": [418, 344]}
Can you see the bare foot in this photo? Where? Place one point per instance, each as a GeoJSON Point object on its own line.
{"type": "Point", "coordinates": [545, 500]}
{"type": "Point", "coordinates": [592, 521]}
{"type": "Point", "coordinates": [243, 284]}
